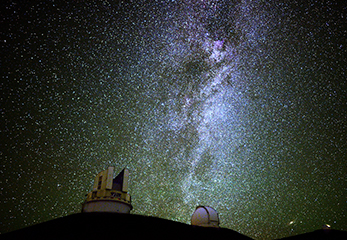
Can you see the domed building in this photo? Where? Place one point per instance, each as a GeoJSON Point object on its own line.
{"type": "Point", "coordinates": [109, 194]}
{"type": "Point", "coordinates": [205, 216]}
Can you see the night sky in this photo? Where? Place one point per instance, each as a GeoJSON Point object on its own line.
{"type": "Point", "coordinates": [237, 105]}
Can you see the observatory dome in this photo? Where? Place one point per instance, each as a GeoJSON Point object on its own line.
{"type": "Point", "coordinates": [205, 217]}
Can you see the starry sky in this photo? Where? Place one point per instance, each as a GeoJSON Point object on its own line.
{"type": "Point", "coordinates": [238, 105]}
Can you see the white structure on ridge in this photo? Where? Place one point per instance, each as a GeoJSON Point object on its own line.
{"type": "Point", "coordinates": [205, 217]}
{"type": "Point", "coordinates": [109, 194]}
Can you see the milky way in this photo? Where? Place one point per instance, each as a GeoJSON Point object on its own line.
{"type": "Point", "coordinates": [238, 105]}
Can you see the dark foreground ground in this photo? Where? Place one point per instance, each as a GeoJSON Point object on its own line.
{"type": "Point", "coordinates": [320, 235]}
{"type": "Point", "coordinates": [129, 226]}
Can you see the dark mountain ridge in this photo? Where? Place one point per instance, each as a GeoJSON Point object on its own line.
{"type": "Point", "coordinates": [130, 226]}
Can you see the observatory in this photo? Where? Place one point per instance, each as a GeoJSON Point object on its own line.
{"type": "Point", "coordinates": [205, 217]}
{"type": "Point", "coordinates": [109, 194]}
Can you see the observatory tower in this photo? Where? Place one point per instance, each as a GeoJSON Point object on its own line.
{"type": "Point", "coordinates": [109, 194]}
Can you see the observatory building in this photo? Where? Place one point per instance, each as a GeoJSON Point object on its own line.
{"type": "Point", "coordinates": [205, 217]}
{"type": "Point", "coordinates": [109, 194]}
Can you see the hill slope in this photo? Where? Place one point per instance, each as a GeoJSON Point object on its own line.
{"type": "Point", "coordinates": [114, 225]}
{"type": "Point", "coordinates": [130, 226]}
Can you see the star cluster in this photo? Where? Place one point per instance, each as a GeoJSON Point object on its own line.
{"type": "Point", "coordinates": [238, 105]}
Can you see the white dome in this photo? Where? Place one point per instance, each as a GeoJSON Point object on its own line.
{"type": "Point", "coordinates": [205, 217]}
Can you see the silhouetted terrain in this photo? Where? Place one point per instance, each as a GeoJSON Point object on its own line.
{"type": "Point", "coordinates": [118, 226]}
{"type": "Point", "coordinates": [130, 226]}
{"type": "Point", "coordinates": [321, 234]}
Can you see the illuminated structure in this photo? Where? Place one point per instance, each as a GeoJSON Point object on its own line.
{"type": "Point", "coordinates": [204, 216]}
{"type": "Point", "coordinates": [109, 194]}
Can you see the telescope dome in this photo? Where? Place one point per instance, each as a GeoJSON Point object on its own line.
{"type": "Point", "coordinates": [205, 216]}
